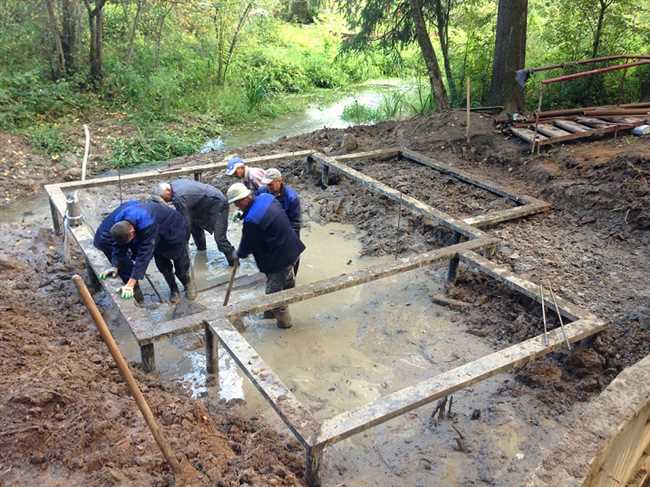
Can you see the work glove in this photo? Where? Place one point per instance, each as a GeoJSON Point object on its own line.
{"type": "Point", "coordinates": [232, 259]}
{"type": "Point", "coordinates": [126, 292]}
{"type": "Point", "coordinates": [112, 272]}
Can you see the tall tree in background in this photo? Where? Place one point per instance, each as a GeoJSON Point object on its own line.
{"type": "Point", "coordinates": [96, 26]}
{"type": "Point", "coordinates": [509, 55]}
{"type": "Point", "coordinates": [429, 55]}
{"type": "Point", "coordinates": [442, 10]}
{"type": "Point", "coordinates": [391, 25]}
{"type": "Point", "coordinates": [603, 5]}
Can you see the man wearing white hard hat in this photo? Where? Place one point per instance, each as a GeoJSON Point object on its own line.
{"type": "Point", "coordinates": [268, 235]}
{"type": "Point", "coordinates": [252, 176]}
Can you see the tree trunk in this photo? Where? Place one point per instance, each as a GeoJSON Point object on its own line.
{"type": "Point", "coordinates": [509, 55]}
{"type": "Point", "coordinates": [69, 14]}
{"type": "Point", "coordinates": [96, 27]}
{"type": "Point", "coordinates": [60, 70]}
{"type": "Point", "coordinates": [429, 55]}
{"type": "Point", "coordinates": [235, 36]}
{"type": "Point", "coordinates": [134, 28]}
{"type": "Point", "coordinates": [599, 28]}
{"type": "Point", "coordinates": [442, 24]}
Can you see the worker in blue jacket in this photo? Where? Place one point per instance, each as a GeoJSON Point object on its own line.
{"type": "Point", "coordinates": [137, 231]}
{"type": "Point", "coordinates": [287, 196]}
{"type": "Point", "coordinates": [268, 235]}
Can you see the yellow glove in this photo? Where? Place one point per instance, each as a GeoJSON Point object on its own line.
{"type": "Point", "coordinates": [126, 292]}
{"type": "Point", "coordinates": [112, 272]}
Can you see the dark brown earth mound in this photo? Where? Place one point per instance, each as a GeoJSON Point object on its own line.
{"type": "Point", "coordinates": [65, 412]}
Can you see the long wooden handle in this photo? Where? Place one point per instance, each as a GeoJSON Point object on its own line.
{"type": "Point", "coordinates": [123, 367]}
{"type": "Point", "coordinates": [230, 283]}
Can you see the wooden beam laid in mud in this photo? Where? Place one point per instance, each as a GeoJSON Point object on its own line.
{"type": "Point", "coordinates": [375, 155]}
{"type": "Point", "coordinates": [298, 418]}
{"type": "Point", "coordinates": [502, 274]}
{"type": "Point", "coordinates": [181, 171]}
{"type": "Point", "coordinates": [349, 423]}
{"type": "Point", "coordinates": [406, 201]}
{"type": "Point", "coordinates": [466, 177]}
{"type": "Point", "coordinates": [344, 281]}
{"type": "Point", "coordinates": [495, 217]}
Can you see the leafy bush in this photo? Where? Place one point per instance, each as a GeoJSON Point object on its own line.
{"type": "Point", "coordinates": [49, 140]}
{"type": "Point", "coordinates": [25, 96]}
{"type": "Point", "coordinates": [359, 113]}
{"type": "Point", "coordinates": [156, 144]}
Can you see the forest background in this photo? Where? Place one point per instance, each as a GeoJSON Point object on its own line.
{"type": "Point", "coordinates": [167, 75]}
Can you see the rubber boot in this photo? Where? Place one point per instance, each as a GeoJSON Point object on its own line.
{"type": "Point", "coordinates": [283, 317]}
{"type": "Point", "coordinates": [268, 314]}
{"type": "Point", "coordinates": [190, 290]}
{"type": "Point", "coordinates": [174, 294]}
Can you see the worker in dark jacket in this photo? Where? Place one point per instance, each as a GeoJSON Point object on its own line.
{"type": "Point", "coordinates": [288, 199]}
{"type": "Point", "coordinates": [268, 235]}
{"type": "Point", "coordinates": [206, 210]}
{"type": "Point", "coordinates": [137, 231]}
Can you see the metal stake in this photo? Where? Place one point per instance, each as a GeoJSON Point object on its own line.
{"type": "Point", "coordinates": [559, 315]}
{"type": "Point", "coordinates": [541, 295]}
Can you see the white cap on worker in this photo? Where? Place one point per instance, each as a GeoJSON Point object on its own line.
{"type": "Point", "coordinates": [271, 175]}
{"type": "Point", "coordinates": [236, 192]}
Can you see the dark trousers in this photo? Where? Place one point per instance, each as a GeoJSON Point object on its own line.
{"type": "Point", "coordinates": [279, 281]}
{"type": "Point", "coordinates": [174, 262]}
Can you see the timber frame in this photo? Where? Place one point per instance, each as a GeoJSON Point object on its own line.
{"type": "Point", "coordinates": [224, 327]}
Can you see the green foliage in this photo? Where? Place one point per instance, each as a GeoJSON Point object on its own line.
{"type": "Point", "coordinates": [26, 96]}
{"type": "Point", "coordinates": [359, 113]}
{"type": "Point", "coordinates": [49, 140]}
{"type": "Point", "coordinates": [156, 144]}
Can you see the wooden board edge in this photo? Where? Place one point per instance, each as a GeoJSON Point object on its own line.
{"type": "Point", "coordinates": [355, 421]}
{"type": "Point", "coordinates": [292, 412]}
{"type": "Point", "coordinates": [344, 281]}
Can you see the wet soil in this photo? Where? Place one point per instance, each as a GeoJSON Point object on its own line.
{"type": "Point", "coordinates": [593, 247]}
{"type": "Point", "coordinates": [66, 414]}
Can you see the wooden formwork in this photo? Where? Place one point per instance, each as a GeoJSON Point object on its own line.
{"type": "Point", "coordinates": [223, 326]}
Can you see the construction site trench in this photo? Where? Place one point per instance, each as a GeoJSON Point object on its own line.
{"type": "Point", "coordinates": [346, 348]}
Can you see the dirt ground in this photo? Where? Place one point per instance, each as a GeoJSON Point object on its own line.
{"type": "Point", "coordinates": [66, 416]}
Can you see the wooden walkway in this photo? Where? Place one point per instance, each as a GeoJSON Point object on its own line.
{"type": "Point", "coordinates": [556, 130]}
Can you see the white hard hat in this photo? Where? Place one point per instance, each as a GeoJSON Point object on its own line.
{"type": "Point", "coordinates": [236, 192]}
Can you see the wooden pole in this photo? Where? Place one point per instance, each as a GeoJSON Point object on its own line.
{"type": "Point", "coordinates": [467, 83]}
{"type": "Point", "coordinates": [230, 283]}
{"type": "Point", "coordinates": [123, 367]}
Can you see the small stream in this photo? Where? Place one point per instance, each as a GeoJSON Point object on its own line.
{"type": "Point", "coordinates": [316, 116]}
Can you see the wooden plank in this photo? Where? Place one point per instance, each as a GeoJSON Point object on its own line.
{"type": "Point", "coordinates": [571, 126]}
{"type": "Point", "coordinates": [181, 171]}
{"type": "Point", "coordinates": [349, 423]}
{"type": "Point", "coordinates": [298, 418]}
{"type": "Point", "coordinates": [406, 201]}
{"type": "Point", "coordinates": [495, 217]}
{"type": "Point", "coordinates": [527, 135]}
{"type": "Point", "coordinates": [551, 131]}
{"type": "Point", "coordinates": [371, 154]}
{"type": "Point", "coordinates": [624, 120]}
{"type": "Point", "coordinates": [505, 275]}
{"type": "Point", "coordinates": [178, 326]}
{"type": "Point", "coordinates": [466, 177]}
{"type": "Point", "coordinates": [344, 281]}
{"type": "Point", "coordinates": [593, 122]}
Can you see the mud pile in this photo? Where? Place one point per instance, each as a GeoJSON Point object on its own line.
{"type": "Point", "coordinates": [65, 413]}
